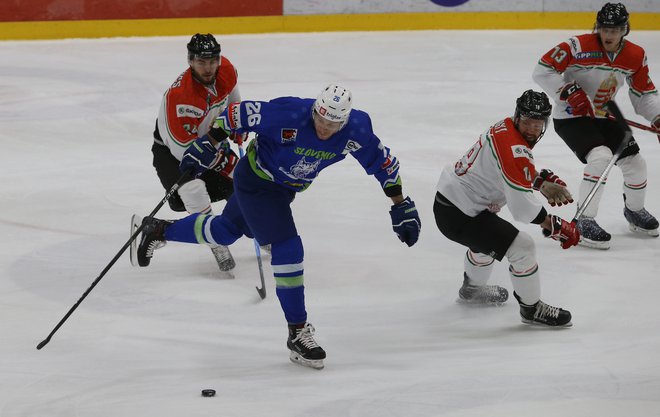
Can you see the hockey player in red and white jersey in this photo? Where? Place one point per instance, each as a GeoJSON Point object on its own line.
{"type": "Point", "coordinates": [582, 75]}
{"type": "Point", "coordinates": [499, 170]}
{"type": "Point", "coordinates": [188, 108]}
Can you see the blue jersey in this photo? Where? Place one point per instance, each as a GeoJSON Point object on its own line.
{"type": "Point", "coordinates": [288, 152]}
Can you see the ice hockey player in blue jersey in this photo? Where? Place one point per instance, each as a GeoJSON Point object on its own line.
{"type": "Point", "coordinates": [296, 138]}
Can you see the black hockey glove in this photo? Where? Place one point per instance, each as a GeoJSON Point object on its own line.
{"type": "Point", "coordinates": [201, 156]}
{"type": "Point", "coordinates": [405, 221]}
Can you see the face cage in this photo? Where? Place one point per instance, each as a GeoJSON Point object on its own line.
{"type": "Point", "coordinates": [516, 122]}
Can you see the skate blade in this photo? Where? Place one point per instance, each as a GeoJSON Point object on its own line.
{"type": "Point", "coordinates": [637, 229]}
{"type": "Point", "coordinates": [311, 363]}
{"type": "Point", "coordinates": [476, 303]}
{"type": "Point", "coordinates": [136, 221]}
{"type": "Point", "coordinates": [545, 326]}
{"type": "Point", "coordinates": [594, 244]}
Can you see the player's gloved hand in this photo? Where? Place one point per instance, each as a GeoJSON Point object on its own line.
{"type": "Point", "coordinates": [201, 156]}
{"type": "Point", "coordinates": [575, 96]}
{"type": "Point", "coordinates": [563, 231]}
{"type": "Point", "coordinates": [656, 124]}
{"type": "Point", "coordinates": [552, 188]}
{"type": "Point", "coordinates": [405, 221]}
{"type": "Point", "coordinates": [238, 138]}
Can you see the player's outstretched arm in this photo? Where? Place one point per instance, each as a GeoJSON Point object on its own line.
{"type": "Point", "coordinates": [405, 219]}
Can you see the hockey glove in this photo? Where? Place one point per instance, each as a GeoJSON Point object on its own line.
{"type": "Point", "coordinates": [201, 156]}
{"type": "Point", "coordinates": [563, 231]}
{"type": "Point", "coordinates": [552, 188]}
{"type": "Point", "coordinates": [405, 221]}
{"type": "Point", "coordinates": [575, 96]}
{"type": "Point", "coordinates": [656, 124]}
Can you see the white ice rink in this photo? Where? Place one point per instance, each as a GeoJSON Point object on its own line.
{"type": "Point", "coordinates": [76, 119]}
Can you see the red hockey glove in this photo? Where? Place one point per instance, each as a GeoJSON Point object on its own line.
{"type": "Point", "coordinates": [552, 188]}
{"type": "Point", "coordinates": [226, 163]}
{"type": "Point", "coordinates": [575, 96]}
{"type": "Point", "coordinates": [563, 231]}
{"type": "Point", "coordinates": [238, 138]}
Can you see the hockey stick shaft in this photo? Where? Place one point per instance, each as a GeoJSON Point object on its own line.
{"type": "Point", "coordinates": [135, 234]}
{"type": "Point", "coordinates": [637, 125]}
{"type": "Point", "coordinates": [257, 250]}
{"type": "Point", "coordinates": [625, 142]}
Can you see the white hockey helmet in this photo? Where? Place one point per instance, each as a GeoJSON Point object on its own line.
{"type": "Point", "coordinates": [334, 103]}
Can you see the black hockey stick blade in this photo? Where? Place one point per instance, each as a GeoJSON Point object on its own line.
{"type": "Point", "coordinates": [262, 290]}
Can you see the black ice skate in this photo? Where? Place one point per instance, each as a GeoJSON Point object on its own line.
{"type": "Point", "coordinates": [543, 314]}
{"type": "Point", "coordinates": [152, 238]}
{"type": "Point", "coordinates": [592, 235]}
{"type": "Point", "coordinates": [640, 221]}
{"type": "Point", "coordinates": [481, 294]}
{"type": "Point", "coordinates": [304, 349]}
{"type": "Point", "coordinates": [223, 257]}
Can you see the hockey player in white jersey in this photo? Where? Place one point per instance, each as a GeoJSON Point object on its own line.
{"type": "Point", "coordinates": [499, 170]}
{"type": "Point", "coordinates": [582, 75]}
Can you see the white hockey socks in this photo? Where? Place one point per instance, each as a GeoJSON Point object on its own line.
{"type": "Point", "coordinates": [597, 160]}
{"type": "Point", "coordinates": [195, 197]}
{"type": "Point", "coordinates": [523, 269]}
{"type": "Point", "coordinates": [633, 168]}
{"type": "Point", "coordinates": [478, 267]}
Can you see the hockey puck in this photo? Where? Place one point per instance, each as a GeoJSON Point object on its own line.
{"type": "Point", "coordinates": [208, 393]}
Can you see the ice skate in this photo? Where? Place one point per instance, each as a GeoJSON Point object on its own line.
{"type": "Point", "coordinates": [640, 221]}
{"type": "Point", "coordinates": [592, 235]}
{"type": "Point", "coordinates": [152, 238]}
{"type": "Point", "coordinates": [223, 257]}
{"type": "Point", "coordinates": [136, 221]}
{"type": "Point", "coordinates": [543, 314]}
{"type": "Point", "coordinates": [481, 294]}
{"type": "Point", "coordinates": [304, 349]}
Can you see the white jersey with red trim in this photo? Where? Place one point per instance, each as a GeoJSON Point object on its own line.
{"type": "Point", "coordinates": [189, 107]}
{"type": "Point", "coordinates": [600, 74]}
{"type": "Point", "coordinates": [498, 170]}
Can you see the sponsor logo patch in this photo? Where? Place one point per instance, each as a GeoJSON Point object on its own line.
{"type": "Point", "coordinates": [185, 110]}
{"type": "Point", "coordinates": [589, 55]}
{"type": "Point", "coordinates": [351, 146]}
{"type": "Point", "coordinates": [289, 135]}
{"type": "Point", "coordinates": [522, 151]}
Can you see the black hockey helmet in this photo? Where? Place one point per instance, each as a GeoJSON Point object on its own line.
{"type": "Point", "coordinates": [533, 105]}
{"type": "Point", "coordinates": [203, 46]}
{"type": "Point", "coordinates": [613, 15]}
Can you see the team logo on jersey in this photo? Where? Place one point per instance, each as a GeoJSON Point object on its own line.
{"type": "Point", "coordinates": [522, 151]}
{"type": "Point", "coordinates": [302, 169]}
{"type": "Point", "coordinates": [589, 55]}
{"type": "Point", "coordinates": [351, 146]}
{"type": "Point", "coordinates": [185, 110]}
{"type": "Point", "coordinates": [289, 135]}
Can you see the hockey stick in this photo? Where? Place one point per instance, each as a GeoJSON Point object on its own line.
{"type": "Point", "coordinates": [257, 250]}
{"type": "Point", "coordinates": [638, 125]}
{"type": "Point", "coordinates": [135, 234]}
{"type": "Point", "coordinates": [625, 142]}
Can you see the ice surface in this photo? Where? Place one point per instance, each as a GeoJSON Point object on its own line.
{"type": "Point", "coordinates": [76, 119]}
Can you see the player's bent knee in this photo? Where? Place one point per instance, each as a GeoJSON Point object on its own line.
{"type": "Point", "coordinates": [599, 156]}
{"type": "Point", "coordinates": [522, 252]}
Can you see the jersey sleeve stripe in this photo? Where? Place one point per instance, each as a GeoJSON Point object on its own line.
{"type": "Point", "coordinates": [509, 181]}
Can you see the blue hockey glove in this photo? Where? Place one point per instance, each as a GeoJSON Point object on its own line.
{"type": "Point", "coordinates": [201, 156]}
{"type": "Point", "coordinates": [405, 221]}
